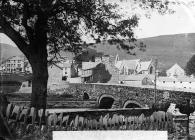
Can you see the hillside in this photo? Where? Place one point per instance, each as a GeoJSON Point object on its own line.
{"type": "Point", "coordinates": [7, 51]}
{"type": "Point", "coordinates": [168, 49]}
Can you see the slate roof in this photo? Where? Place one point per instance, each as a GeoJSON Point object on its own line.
{"type": "Point", "coordinates": [130, 64]}
{"type": "Point", "coordinates": [145, 65]}
{"type": "Point", "coordinates": [89, 65]}
{"type": "Point", "coordinates": [175, 66]}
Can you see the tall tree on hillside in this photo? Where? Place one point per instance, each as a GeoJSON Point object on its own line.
{"type": "Point", "coordinates": [42, 27]}
{"type": "Point", "coordinates": [190, 66]}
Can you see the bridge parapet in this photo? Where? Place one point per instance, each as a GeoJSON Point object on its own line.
{"type": "Point", "coordinates": [120, 93]}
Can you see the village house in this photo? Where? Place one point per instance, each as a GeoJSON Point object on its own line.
{"type": "Point", "coordinates": [128, 67]}
{"type": "Point", "coordinates": [59, 74]}
{"type": "Point", "coordinates": [15, 64]}
{"type": "Point", "coordinates": [86, 71]}
{"type": "Point", "coordinates": [69, 69]}
{"type": "Point", "coordinates": [146, 67]}
{"type": "Point", "coordinates": [175, 71]}
{"type": "Point", "coordinates": [136, 66]}
{"type": "Point", "coordinates": [54, 80]}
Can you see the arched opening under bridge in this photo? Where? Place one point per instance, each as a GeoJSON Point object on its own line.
{"type": "Point", "coordinates": [132, 104]}
{"type": "Point", "coordinates": [106, 101]}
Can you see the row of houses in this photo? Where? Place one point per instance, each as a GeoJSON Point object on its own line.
{"type": "Point", "coordinates": [15, 64]}
{"type": "Point", "coordinates": [180, 82]}
{"type": "Point", "coordinates": [105, 69]}
{"type": "Point", "coordinates": [175, 79]}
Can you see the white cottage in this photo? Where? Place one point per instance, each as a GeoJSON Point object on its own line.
{"type": "Point", "coordinates": [146, 67]}
{"type": "Point", "coordinates": [175, 71]}
{"type": "Point", "coordinates": [181, 82]}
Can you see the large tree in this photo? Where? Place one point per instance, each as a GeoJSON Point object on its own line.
{"type": "Point", "coordinates": [190, 66]}
{"type": "Point", "coordinates": [42, 27]}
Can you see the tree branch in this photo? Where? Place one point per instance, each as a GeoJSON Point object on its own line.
{"type": "Point", "coordinates": [29, 30]}
{"type": "Point", "coordinates": [13, 35]}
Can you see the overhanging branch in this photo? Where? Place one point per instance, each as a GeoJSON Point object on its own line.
{"type": "Point", "coordinates": [13, 35]}
{"type": "Point", "coordinates": [29, 30]}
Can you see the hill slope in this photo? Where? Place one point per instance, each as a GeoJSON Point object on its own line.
{"type": "Point", "coordinates": [7, 51]}
{"type": "Point", "coordinates": [168, 49]}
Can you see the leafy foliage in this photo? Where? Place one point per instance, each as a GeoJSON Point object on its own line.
{"type": "Point", "coordinates": [66, 21]}
{"type": "Point", "coordinates": [42, 27]}
{"type": "Point", "coordinates": [190, 66]}
{"type": "Point", "coordinates": [101, 74]}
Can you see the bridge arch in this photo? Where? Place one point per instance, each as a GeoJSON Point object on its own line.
{"type": "Point", "coordinates": [106, 101]}
{"type": "Point", "coordinates": [132, 104]}
{"type": "Point", "coordinates": [85, 96]}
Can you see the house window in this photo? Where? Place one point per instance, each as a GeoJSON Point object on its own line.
{"type": "Point", "coordinates": [29, 83]}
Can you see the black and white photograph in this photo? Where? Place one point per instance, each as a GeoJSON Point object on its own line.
{"type": "Point", "coordinates": [97, 69]}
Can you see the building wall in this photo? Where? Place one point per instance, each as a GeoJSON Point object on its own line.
{"type": "Point", "coordinates": [176, 84]}
{"type": "Point", "coordinates": [150, 70]}
{"type": "Point", "coordinates": [75, 80]}
{"type": "Point", "coordinates": [14, 65]}
{"type": "Point", "coordinates": [55, 77]}
{"type": "Point", "coordinates": [67, 72]}
{"type": "Point", "coordinates": [126, 71]}
{"type": "Point", "coordinates": [175, 71]}
{"type": "Point", "coordinates": [131, 83]}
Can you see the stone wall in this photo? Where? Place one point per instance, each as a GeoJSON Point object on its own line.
{"type": "Point", "coordinates": [122, 94]}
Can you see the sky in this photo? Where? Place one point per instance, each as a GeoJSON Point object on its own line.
{"type": "Point", "coordinates": [182, 21]}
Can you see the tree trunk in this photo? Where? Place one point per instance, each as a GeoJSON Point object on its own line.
{"type": "Point", "coordinates": [38, 60]}
{"type": "Point", "coordinates": [39, 84]}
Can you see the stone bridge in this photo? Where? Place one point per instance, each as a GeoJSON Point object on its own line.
{"type": "Point", "coordinates": [121, 96]}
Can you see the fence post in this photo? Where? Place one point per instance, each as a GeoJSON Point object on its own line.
{"type": "Point", "coordinates": [4, 129]}
{"type": "Point", "coordinates": [188, 115]}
